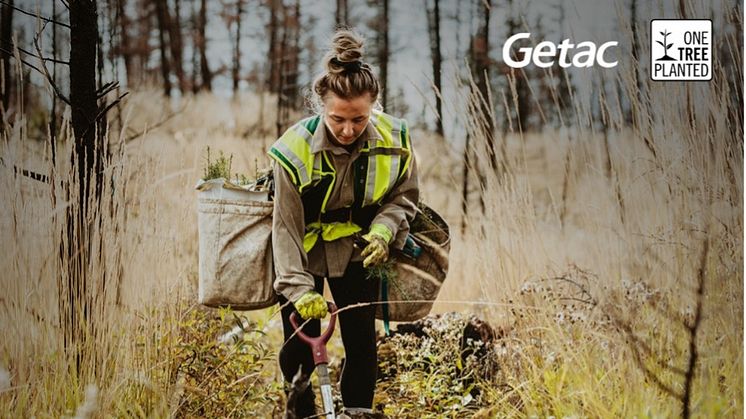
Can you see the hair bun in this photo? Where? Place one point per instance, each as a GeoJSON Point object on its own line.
{"type": "Point", "coordinates": [347, 47]}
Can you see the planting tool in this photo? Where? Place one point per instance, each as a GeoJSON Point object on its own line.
{"type": "Point", "coordinates": [320, 358]}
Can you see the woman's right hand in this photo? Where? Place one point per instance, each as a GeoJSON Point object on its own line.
{"type": "Point", "coordinates": [311, 305]}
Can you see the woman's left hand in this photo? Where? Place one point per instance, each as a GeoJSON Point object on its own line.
{"type": "Point", "coordinates": [376, 251]}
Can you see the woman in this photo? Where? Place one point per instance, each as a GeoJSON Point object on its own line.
{"type": "Point", "coordinates": [346, 171]}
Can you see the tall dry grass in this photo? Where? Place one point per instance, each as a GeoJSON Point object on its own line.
{"type": "Point", "coordinates": [586, 256]}
{"type": "Point", "coordinates": [614, 253]}
{"type": "Point", "coordinates": [143, 263]}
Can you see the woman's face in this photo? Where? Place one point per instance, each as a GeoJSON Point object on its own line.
{"type": "Point", "coordinates": [346, 119]}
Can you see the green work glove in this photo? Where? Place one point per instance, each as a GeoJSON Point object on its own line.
{"type": "Point", "coordinates": [377, 250]}
{"type": "Point", "coordinates": [311, 305]}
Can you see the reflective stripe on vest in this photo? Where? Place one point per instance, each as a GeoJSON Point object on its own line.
{"type": "Point", "coordinates": [388, 160]}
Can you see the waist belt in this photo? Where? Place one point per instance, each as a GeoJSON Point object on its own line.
{"type": "Point", "coordinates": [339, 215]}
{"type": "Point", "coordinates": [360, 216]}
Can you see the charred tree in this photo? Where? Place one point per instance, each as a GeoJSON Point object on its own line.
{"type": "Point", "coordinates": [6, 41]}
{"type": "Point", "coordinates": [481, 60]}
{"type": "Point", "coordinates": [53, 112]}
{"type": "Point", "coordinates": [176, 41]}
{"type": "Point", "coordinates": [433, 20]}
{"type": "Point", "coordinates": [124, 48]}
{"type": "Point", "coordinates": [161, 15]}
{"type": "Point", "coordinates": [236, 69]}
{"type": "Point", "coordinates": [194, 21]}
{"type": "Point", "coordinates": [383, 50]}
{"type": "Point", "coordinates": [273, 50]}
{"type": "Point", "coordinates": [84, 112]}
{"type": "Point", "coordinates": [289, 66]}
{"type": "Point", "coordinates": [203, 63]}
{"type": "Point", "coordinates": [342, 16]}
{"type": "Point", "coordinates": [522, 93]}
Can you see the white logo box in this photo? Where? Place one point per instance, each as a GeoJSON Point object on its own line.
{"type": "Point", "coordinates": [681, 49]}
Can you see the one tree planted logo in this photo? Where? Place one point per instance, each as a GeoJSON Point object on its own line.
{"type": "Point", "coordinates": [665, 45]}
{"type": "Point", "coordinates": [680, 49]}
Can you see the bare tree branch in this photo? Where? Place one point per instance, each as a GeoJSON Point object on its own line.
{"type": "Point", "coordinates": [46, 72]}
{"type": "Point", "coordinates": [52, 60]}
{"type": "Point", "coordinates": [25, 12]}
{"type": "Point", "coordinates": [10, 53]}
{"type": "Point", "coordinates": [111, 105]}
{"type": "Point", "coordinates": [106, 88]}
{"type": "Point", "coordinates": [694, 327]}
{"type": "Point", "coordinates": [102, 112]}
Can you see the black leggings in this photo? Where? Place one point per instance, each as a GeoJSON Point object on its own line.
{"type": "Point", "coordinates": [358, 329]}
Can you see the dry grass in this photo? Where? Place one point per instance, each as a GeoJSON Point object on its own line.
{"type": "Point", "coordinates": [566, 255]}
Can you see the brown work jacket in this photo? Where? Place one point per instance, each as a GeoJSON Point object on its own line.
{"type": "Point", "coordinates": [295, 268]}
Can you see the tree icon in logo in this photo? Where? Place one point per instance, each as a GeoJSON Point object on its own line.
{"type": "Point", "coordinates": [666, 46]}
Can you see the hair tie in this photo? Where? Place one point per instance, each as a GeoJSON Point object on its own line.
{"type": "Point", "coordinates": [349, 66]}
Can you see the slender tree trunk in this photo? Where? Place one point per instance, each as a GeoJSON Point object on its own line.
{"type": "Point", "coordinates": [481, 66]}
{"type": "Point", "coordinates": [294, 71]}
{"type": "Point", "coordinates": [237, 48]}
{"type": "Point", "coordinates": [6, 40]}
{"type": "Point", "coordinates": [273, 78]}
{"type": "Point", "coordinates": [383, 51]}
{"type": "Point", "coordinates": [437, 60]}
{"type": "Point", "coordinates": [195, 47]}
{"type": "Point", "coordinates": [125, 46]}
{"type": "Point", "coordinates": [160, 12]}
{"type": "Point", "coordinates": [177, 45]}
{"type": "Point", "coordinates": [342, 17]}
{"type": "Point", "coordinates": [282, 97]}
{"type": "Point", "coordinates": [102, 123]}
{"type": "Point", "coordinates": [53, 112]}
{"type": "Point", "coordinates": [630, 115]}
{"type": "Point", "coordinates": [84, 109]}
{"type": "Point", "coordinates": [204, 65]}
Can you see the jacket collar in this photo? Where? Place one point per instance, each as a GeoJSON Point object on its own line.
{"type": "Point", "coordinates": [321, 142]}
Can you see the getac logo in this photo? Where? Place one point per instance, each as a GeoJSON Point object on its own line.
{"type": "Point", "coordinates": [585, 54]}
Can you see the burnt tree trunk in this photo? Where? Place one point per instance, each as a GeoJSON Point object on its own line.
{"type": "Point", "coordinates": [342, 16]}
{"type": "Point", "coordinates": [6, 43]}
{"type": "Point", "coordinates": [288, 62]}
{"type": "Point", "coordinates": [521, 84]}
{"type": "Point", "coordinates": [480, 51]}
{"type": "Point", "coordinates": [125, 42]}
{"type": "Point", "coordinates": [160, 12]}
{"type": "Point", "coordinates": [630, 115]}
{"type": "Point", "coordinates": [203, 64]}
{"type": "Point", "coordinates": [383, 51]}
{"type": "Point", "coordinates": [236, 70]}
{"type": "Point", "coordinates": [84, 110]}
{"type": "Point", "coordinates": [437, 60]}
{"type": "Point", "coordinates": [177, 45]}
{"type": "Point", "coordinates": [273, 54]}
{"type": "Point", "coordinates": [195, 46]}
{"type": "Point", "coordinates": [53, 113]}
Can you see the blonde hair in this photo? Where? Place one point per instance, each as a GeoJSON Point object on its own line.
{"type": "Point", "coordinates": [346, 75]}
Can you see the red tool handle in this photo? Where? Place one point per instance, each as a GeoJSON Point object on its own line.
{"type": "Point", "coordinates": [318, 345]}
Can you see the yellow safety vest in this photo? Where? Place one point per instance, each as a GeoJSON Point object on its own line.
{"type": "Point", "coordinates": [382, 162]}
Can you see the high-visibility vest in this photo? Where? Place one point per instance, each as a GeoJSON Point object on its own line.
{"type": "Point", "coordinates": [380, 165]}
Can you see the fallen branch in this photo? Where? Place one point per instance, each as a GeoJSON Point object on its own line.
{"type": "Point", "coordinates": [28, 173]}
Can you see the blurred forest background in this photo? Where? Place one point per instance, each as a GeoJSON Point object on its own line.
{"type": "Point", "coordinates": [596, 215]}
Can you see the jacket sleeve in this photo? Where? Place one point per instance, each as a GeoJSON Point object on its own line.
{"type": "Point", "coordinates": [288, 229]}
{"type": "Point", "coordinates": [400, 206]}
